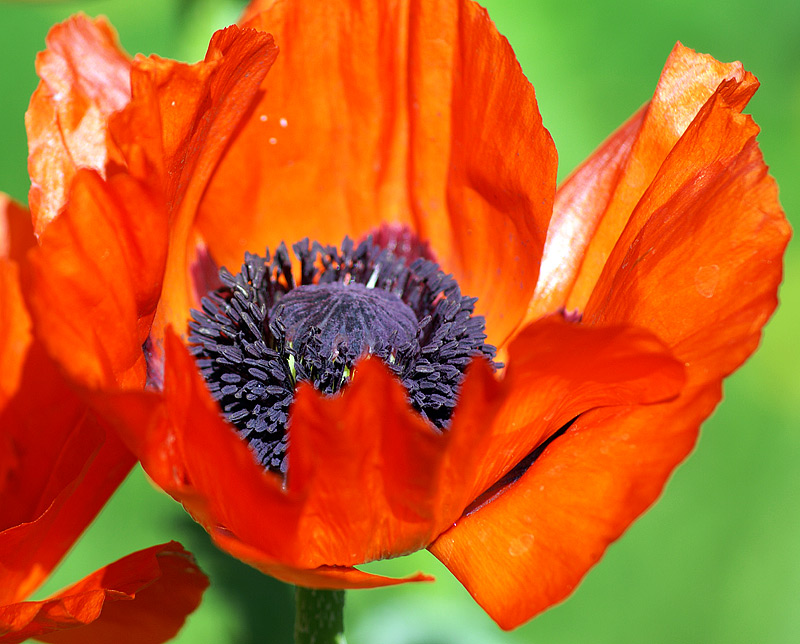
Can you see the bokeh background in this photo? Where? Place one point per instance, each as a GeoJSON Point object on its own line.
{"type": "Point", "coordinates": [718, 558]}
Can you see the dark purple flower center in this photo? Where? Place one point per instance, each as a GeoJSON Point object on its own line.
{"type": "Point", "coordinates": [262, 332]}
{"type": "Point", "coordinates": [348, 319]}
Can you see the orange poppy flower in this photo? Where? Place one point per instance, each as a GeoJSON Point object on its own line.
{"type": "Point", "coordinates": [616, 302]}
{"type": "Point", "coordinates": [57, 469]}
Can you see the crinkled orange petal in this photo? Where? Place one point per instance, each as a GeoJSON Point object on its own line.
{"type": "Point", "coordinates": [321, 577]}
{"type": "Point", "coordinates": [343, 445]}
{"type": "Point", "coordinates": [369, 438]}
{"type": "Point", "coordinates": [14, 331]}
{"type": "Point", "coordinates": [700, 261]}
{"type": "Point", "coordinates": [50, 441]}
{"type": "Point", "coordinates": [413, 112]}
{"type": "Point", "coordinates": [16, 238]}
{"type": "Point", "coordinates": [172, 134]}
{"type": "Point", "coordinates": [93, 284]}
{"type": "Point", "coordinates": [420, 480]}
{"type": "Point", "coordinates": [59, 469]}
{"type": "Point", "coordinates": [601, 203]}
{"type": "Point", "coordinates": [580, 203]}
{"type": "Point", "coordinates": [698, 264]}
{"type": "Point", "coordinates": [143, 598]}
{"type": "Point", "coordinates": [322, 518]}
{"type": "Point", "coordinates": [189, 451]}
{"type": "Point", "coordinates": [16, 231]}
{"type": "Point", "coordinates": [339, 449]}
{"type": "Point", "coordinates": [529, 547]}
{"type": "Point", "coordinates": [85, 77]}
{"type": "Point", "coordinates": [558, 370]}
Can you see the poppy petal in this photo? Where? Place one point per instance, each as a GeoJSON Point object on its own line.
{"type": "Point", "coordinates": [172, 134]}
{"type": "Point", "coordinates": [103, 264]}
{"type": "Point", "coordinates": [699, 262]}
{"type": "Point", "coordinates": [709, 223]}
{"type": "Point", "coordinates": [85, 76]}
{"type": "Point", "coordinates": [345, 445]}
{"type": "Point", "coordinates": [579, 205]}
{"type": "Point", "coordinates": [60, 469]}
{"type": "Point", "coordinates": [599, 204]}
{"type": "Point", "coordinates": [321, 577]}
{"type": "Point", "coordinates": [98, 269]}
{"type": "Point", "coordinates": [57, 466]}
{"type": "Point", "coordinates": [530, 546]}
{"type": "Point", "coordinates": [331, 462]}
{"type": "Point", "coordinates": [16, 238]}
{"type": "Point", "coordinates": [14, 319]}
{"type": "Point", "coordinates": [16, 230]}
{"type": "Point", "coordinates": [421, 481]}
{"type": "Point", "coordinates": [339, 449]}
{"type": "Point", "coordinates": [558, 370]}
{"type": "Point", "coordinates": [143, 598]}
{"type": "Point", "coordinates": [368, 116]}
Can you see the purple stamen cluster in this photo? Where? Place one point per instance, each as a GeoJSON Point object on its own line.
{"type": "Point", "coordinates": [263, 331]}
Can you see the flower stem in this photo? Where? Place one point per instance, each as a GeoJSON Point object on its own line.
{"type": "Point", "coordinates": [319, 616]}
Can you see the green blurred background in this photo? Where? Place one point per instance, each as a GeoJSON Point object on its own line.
{"type": "Point", "coordinates": [718, 558]}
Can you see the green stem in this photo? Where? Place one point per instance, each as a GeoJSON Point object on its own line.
{"type": "Point", "coordinates": [319, 616]}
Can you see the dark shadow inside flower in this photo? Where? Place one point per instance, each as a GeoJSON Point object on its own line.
{"type": "Point", "coordinates": [515, 473]}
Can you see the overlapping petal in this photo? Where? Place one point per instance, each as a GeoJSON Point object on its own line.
{"type": "Point", "coordinates": [102, 265]}
{"type": "Point", "coordinates": [179, 121]}
{"type": "Point", "coordinates": [16, 237]}
{"type": "Point", "coordinates": [579, 205]}
{"type": "Point", "coordinates": [85, 77]}
{"type": "Point", "coordinates": [98, 267]}
{"type": "Point", "coordinates": [16, 232]}
{"type": "Point", "coordinates": [594, 204]}
{"type": "Point", "coordinates": [143, 598]}
{"type": "Point", "coordinates": [331, 577]}
{"type": "Point", "coordinates": [64, 469]}
{"type": "Point", "coordinates": [530, 546]}
{"type": "Point", "coordinates": [58, 466]}
{"type": "Point", "coordinates": [559, 370]}
{"type": "Point", "coordinates": [706, 294]}
{"type": "Point", "coordinates": [410, 112]}
{"type": "Point", "coordinates": [708, 223]}
{"type": "Point", "coordinates": [420, 480]}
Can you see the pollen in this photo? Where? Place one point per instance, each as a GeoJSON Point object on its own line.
{"type": "Point", "coordinates": [271, 326]}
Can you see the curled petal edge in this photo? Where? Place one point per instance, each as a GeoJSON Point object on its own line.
{"type": "Point", "coordinates": [143, 597]}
